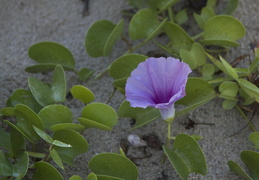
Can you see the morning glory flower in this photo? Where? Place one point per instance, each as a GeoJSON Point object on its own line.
{"type": "Point", "coordinates": [158, 83]}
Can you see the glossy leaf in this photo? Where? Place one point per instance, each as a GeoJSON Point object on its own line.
{"type": "Point", "coordinates": [54, 155]}
{"type": "Point", "coordinates": [43, 135]}
{"type": "Point", "coordinates": [186, 156]}
{"type": "Point", "coordinates": [141, 115]}
{"type": "Point", "coordinates": [195, 57]}
{"type": "Point", "coordinates": [143, 24]}
{"type": "Point", "coordinates": [82, 93]}
{"type": "Point", "coordinates": [124, 65]}
{"type": "Point", "coordinates": [50, 52]}
{"type": "Point", "coordinates": [76, 177]}
{"type": "Point", "coordinates": [101, 37]}
{"type": "Point", "coordinates": [5, 165]}
{"type": "Point", "coordinates": [45, 171]}
{"type": "Point", "coordinates": [179, 39]}
{"type": "Point", "coordinates": [233, 166]}
{"type": "Point", "coordinates": [22, 96]}
{"type": "Point", "coordinates": [222, 30]}
{"type": "Point", "coordinates": [46, 94]}
{"type": "Point", "coordinates": [230, 7]}
{"type": "Point", "coordinates": [251, 160]}
{"type": "Point", "coordinates": [76, 140]}
{"type": "Point", "coordinates": [55, 114]}
{"type": "Point", "coordinates": [98, 115]}
{"type": "Point", "coordinates": [254, 138]}
{"type": "Point", "coordinates": [114, 165]}
{"type": "Point", "coordinates": [70, 126]}
{"type": "Point", "coordinates": [206, 13]}
{"type": "Point", "coordinates": [251, 89]}
{"type": "Point", "coordinates": [21, 166]}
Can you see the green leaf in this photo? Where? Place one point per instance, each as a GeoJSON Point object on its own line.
{"type": "Point", "coordinates": [254, 138]}
{"type": "Point", "coordinates": [144, 23]}
{"type": "Point", "coordinates": [165, 4]}
{"type": "Point", "coordinates": [43, 135]}
{"type": "Point", "coordinates": [186, 156]}
{"type": "Point", "coordinates": [251, 160]}
{"type": "Point", "coordinates": [70, 126]}
{"type": "Point", "coordinates": [5, 165]}
{"type": "Point", "coordinates": [5, 140]}
{"type": "Point", "coordinates": [230, 7]}
{"type": "Point", "coordinates": [61, 144]}
{"type": "Point", "coordinates": [49, 94]}
{"type": "Point", "coordinates": [54, 155]}
{"type": "Point", "coordinates": [17, 143]}
{"type": "Point", "coordinates": [229, 69]}
{"type": "Point", "coordinates": [113, 165]}
{"type": "Point", "coordinates": [141, 115]}
{"type": "Point", "coordinates": [207, 71]}
{"type": "Point", "coordinates": [76, 177]}
{"type": "Point", "coordinates": [82, 93]}
{"type": "Point", "coordinates": [55, 114]}
{"type": "Point", "coordinates": [8, 111]}
{"type": "Point", "coordinates": [179, 39]}
{"type": "Point", "coordinates": [52, 53]}
{"type": "Point", "coordinates": [46, 67]}
{"type": "Point", "coordinates": [251, 89]}
{"type": "Point", "coordinates": [228, 104]}
{"type": "Point", "coordinates": [98, 115]}
{"type": "Point", "coordinates": [85, 74]}
{"type": "Point", "coordinates": [194, 57]}
{"type": "Point", "coordinates": [45, 171]}
{"type": "Point", "coordinates": [21, 166]}
{"type": "Point", "coordinates": [228, 90]}
{"type": "Point", "coordinates": [22, 96]}
{"type": "Point", "coordinates": [76, 140]}
{"type": "Point", "coordinates": [26, 119]}
{"type": "Point", "coordinates": [206, 13]}
{"type": "Point", "coordinates": [222, 30]}
{"type": "Point", "coordinates": [124, 65]}
{"type": "Point", "coordinates": [92, 176]}
{"type": "Point", "coordinates": [101, 37]}
{"type": "Point", "coordinates": [233, 166]}
{"type": "Point", "coordinates": [36, 155]}
{"type": "Point", "coordinates": [181, 17]}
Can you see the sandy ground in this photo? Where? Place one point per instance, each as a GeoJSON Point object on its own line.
{"type": "Point", "coordinates": [26, 22]}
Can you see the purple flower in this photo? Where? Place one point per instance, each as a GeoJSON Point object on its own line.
{"type": "Point", "coordinates": [158, 83]}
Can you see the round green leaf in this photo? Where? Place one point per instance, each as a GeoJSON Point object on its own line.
{"type": "Point", "coordinates": [254, 138]}
{"type": "Point", "coordinates": [186, 156]}
{"type": "Point", "coordinates": [101, 37]}
{"type": "Point", "coordinates": [228, 90]}
{"type": "Point", "coordinates": [114, 165]}
{"type": "Point", "coordinates": [55, 114]}
{"type": "Point", "coordinates": [251, 160]}
{"type": "Point", "coordinates": [76, 177]}
{"type": "Point", "coordinates": [229, 104]}
{"type": "Point", "coordinates": [143, 24]}
{"type": "Point", "coordinates": [76, 140]}
{"type": "Point", "coordinates": [84, 74]}
{"type": "Point", "coordinates": [124, 65]}
{"type": "Point", "coordinates": [44, 68]}
{"type": "Point", "coordinates": [45, 171]}
{"type": "Point", "coordinates": [87, 123]}
{"type": "Point", "coordinates": [195, 57]}
{"type": "Point", "coordinates": [70, 126]}
{"type": "Point", "coordinates": [82, 93]}
{"type": "Point", "coordinates": [101, 114]}
{"type": "Point", "coordinates": [222, 30]}
{"type": "Point", "coordinates": [179, 39]}
{"type": "Point", "coordinates": [17, 142]}
{"type": "Point", "coordinates": [21, 166]}
{"type": "Point", "coordinates": [206, 13]}
{"type": "Point", "coordinates": [22, 96]}
{"type": "Point", "coordinates": [120, 84]}
{"type": "Point", "coordinates": [207, 71]}
{"type": "Point", "coordinates": [50, 52]}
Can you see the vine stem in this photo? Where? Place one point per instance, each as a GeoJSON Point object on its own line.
{"type": "Point", "coordinates": [245, 117]}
